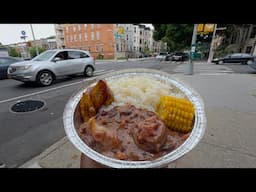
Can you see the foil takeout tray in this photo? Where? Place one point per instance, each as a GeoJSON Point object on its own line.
{"type": "Point", "coordinates": [72, 120]}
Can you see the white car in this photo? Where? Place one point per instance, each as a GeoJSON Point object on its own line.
{"type": "Point", "coordinates": [162, 56]}
{"type": "Point", "coordinates": [49, 65]}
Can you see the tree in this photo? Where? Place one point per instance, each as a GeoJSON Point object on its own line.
{"type": "Point", "coordinates": [146, 50]}
{"type": "Point", "coordinates": [32, 51]}
{"type": "Point", "coordinates": [177, 36]}
{"type": "Point", "coordinates": [13, 52]}
{"type": "Point", "coordinates": [234, 38]}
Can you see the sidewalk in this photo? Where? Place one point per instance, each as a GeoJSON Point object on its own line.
{"type": "Point", "coordinates": [229, 141]}
{"type": "Point", "coordinates": [98, 61]}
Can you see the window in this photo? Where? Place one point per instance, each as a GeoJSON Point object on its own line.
{"type": "Point", "coordinates": [63, 55]}
{"type": "Point", "coordinates": [140, 32]}
{"type": "Point", "coordinates": [98, 35]}
{"type": "Point", "coordinates": [74, 28]}
{"type": "Point", "coordinates": [80, 37]}
{"type": "Point", "coordinates": [74, 54]}
{"type": "Point", "coordinates": [67, 38]}
{"type": "Point", "coordinates": [127, 37]}
{"type": "Point", "coordinates": [71, 38]}
{"type": "Point", "coordinates": [70, 29]}
{"type": "Point", "coordinates": [236, 55]}
{"type": "Point", "coordinates": [92, 26]}
{"type": "Point", "coordinates": [134, 40]}
{"type": "Point", "coordinates": [98, 26]}
{"type": "Point", "coordinates": [66, 29]}
{"type": "Point", "coordinates": [92, 36]}
{"type": "Point", "coordinates": [79, 28]}
{"type": "Point", "coordinates": [85, 26]}
{"type": "Point", "coordinates": [85, 37]}
{"type": "Point", "coordinates": [83, 55]}
{"type": "Point", "coordinates": [140, 41]}
{"type": "Point", "coordinates": [75, 38]}
{"type": "Point", "coordinates": [253, 33]}
{"type": "Point", "coordinates": [134, 29]}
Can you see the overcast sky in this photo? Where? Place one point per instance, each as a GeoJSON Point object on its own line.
{"type": "Point", "coordinates": [10, 33]}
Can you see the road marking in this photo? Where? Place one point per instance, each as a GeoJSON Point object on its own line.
{"type": "Point", "coordinates": [99, 71]}
{"type": "Point", "coordinates": [214, 73]}
{"type": "Point", "coordinates": [51, 89]}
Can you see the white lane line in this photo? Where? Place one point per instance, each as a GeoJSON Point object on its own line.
{"type": "Point", "coordinates": [48, 90]}
{"type": "Point", "coordinates": [99, 71]}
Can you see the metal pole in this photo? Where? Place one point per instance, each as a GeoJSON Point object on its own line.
{"type": "Point", "coordinates": [192, 51]}
{"type": "Point", "coordinates": [37, 53]}
{"type": "Point", "coordinates": [211, 53]}
{"type": "Point", "coordinates": [115, 59]}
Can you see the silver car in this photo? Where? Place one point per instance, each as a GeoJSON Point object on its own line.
{"type": "Point", "coordinates": [49, 65]}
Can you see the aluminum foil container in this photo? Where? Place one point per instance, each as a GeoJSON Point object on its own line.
{"type": "Point", "coordinates": [72, 120]}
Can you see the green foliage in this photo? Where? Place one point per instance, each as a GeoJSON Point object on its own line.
{"type": "Point", "coordinates": [177, 36]}
{"type": "Point", "coordinates": [32, 51]}
{"type": "Point", "coordinates": [13, 52]}
{"type": "Point", "coordinates": [146, 50]}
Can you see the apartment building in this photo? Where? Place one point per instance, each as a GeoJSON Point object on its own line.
{"type": "Point", "coordinates": [59, 36]}
{"type": "Point", "coordinates": [96, 38]}
{"type": "Point", "coordinates": [108, 40]}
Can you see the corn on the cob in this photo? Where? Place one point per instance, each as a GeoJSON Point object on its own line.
{"type": "Point", "coordinates": [177, 113]}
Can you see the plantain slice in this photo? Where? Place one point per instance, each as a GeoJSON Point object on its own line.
{"type": "Point", "coordinates": [86, 107]}
{"type": "Point", "coordinates": [100, 94]}
{"type": "Point", "coordinates": [94, 98]}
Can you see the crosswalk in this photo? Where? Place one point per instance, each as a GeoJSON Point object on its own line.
{"type": "Point", "coordinates": [103, 71]}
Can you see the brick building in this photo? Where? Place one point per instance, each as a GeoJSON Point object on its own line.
{"type": "Point", "coordinates": [96, 38]}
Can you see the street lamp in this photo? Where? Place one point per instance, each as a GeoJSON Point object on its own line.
{"type": "Point", "coordinates": [37, 53]}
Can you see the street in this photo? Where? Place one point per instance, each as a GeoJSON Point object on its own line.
{"type": "Point", "coordinates": [24, 135]}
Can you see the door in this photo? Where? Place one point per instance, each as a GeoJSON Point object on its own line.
{"type": "Point", "coordinates": [61, 66]}
{"type": "Point", "coordinates": [77, 60]}
{"type": "Point", "coordinates": [235, 58]}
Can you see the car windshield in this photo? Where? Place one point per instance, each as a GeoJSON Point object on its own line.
{"type": "Point", "coordinates": [44, 56]}
{"type": "Point", "coordinates": [162, 53]}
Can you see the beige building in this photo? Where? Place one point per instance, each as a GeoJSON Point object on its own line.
{"type": "Point", "coordinates": [59, 35]}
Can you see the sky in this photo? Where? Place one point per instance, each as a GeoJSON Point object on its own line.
{"type": "Point", "coordinates": [10, 33]}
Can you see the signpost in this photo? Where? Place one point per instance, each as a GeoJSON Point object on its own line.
{"type": "Point", "coordinates": [23, 35]}
{"type": "Point", "coordinates": [192, 52]}
{"type": "Point", "coordinates": [34, 38]}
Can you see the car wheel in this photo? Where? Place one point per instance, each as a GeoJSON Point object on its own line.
{"type": "Point", "coordinates": [45, 78]}
{"type": "Point", "coordinates": [220, 62]}
{"type": "Point", "coordinates": [244, 62]}
{"type": "Point", "coordinates": [88, 71]}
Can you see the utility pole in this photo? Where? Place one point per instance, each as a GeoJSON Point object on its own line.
{"type": "Point", "coordinates": [192, 51]}
{"type": "Point", "coordinates": [37, 53]}
{"type": "Point", "coordinates": [211, 53]}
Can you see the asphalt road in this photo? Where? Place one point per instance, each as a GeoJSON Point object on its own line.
{"type": "Point", "coordinates": [25, 135]}
{"type": "Point", "coordinates": [239, 68]}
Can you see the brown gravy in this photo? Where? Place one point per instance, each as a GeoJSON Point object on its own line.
{"type": "Point", "coordinates": [129, 133]}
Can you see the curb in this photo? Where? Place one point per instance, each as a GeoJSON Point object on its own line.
{"type": "Point", "coordinates": [35, 162]}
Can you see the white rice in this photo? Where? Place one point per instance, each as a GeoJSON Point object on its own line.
{"type": "Point", "coordinates": [142, 92]}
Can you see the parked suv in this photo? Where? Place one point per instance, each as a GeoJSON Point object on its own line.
{"type": "Point", "coordinates": [49, 65]}
{"type": "Point", "coordinates": [234, 58]}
